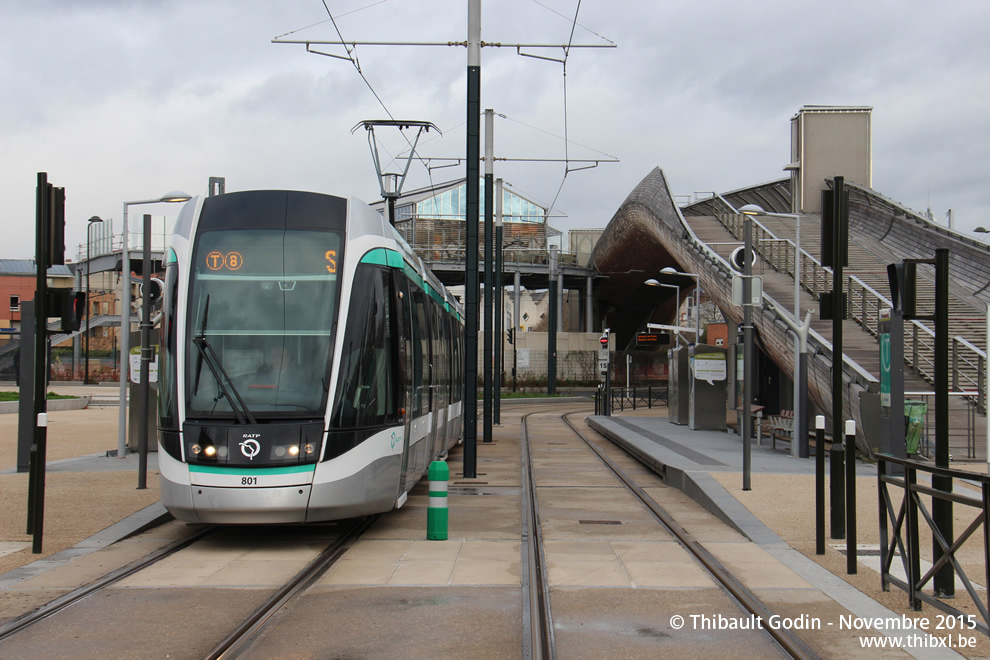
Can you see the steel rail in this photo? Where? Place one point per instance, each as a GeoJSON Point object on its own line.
{"type": "Point", "coordinates": [74, 596]}
{"type": "Point", "coordinates": [786, 639]}
{"type": "Point", "coordinates": [231, 645]}
{"type": "Point", "coordinates": [541, 644]}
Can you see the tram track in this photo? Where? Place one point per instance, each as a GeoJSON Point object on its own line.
{"type": "Point", "coordinates": [67, 600]}
{"type": "Point", "coordinates": [539, 626]}
{"type": "Point", "coordinates": [239, 639]}
{"type": "Point", "coordinates": [241, 635]}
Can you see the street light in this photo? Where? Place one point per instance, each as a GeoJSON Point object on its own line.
{"type": "Point", "coordinates": [677, 309]}
{"type": "Point", "coordinates": [669, 270]}
{"type": "Point", "coordinates": [92, 221]}
{"type": "Point", "coordinates": [800, 340]}
{"type": "Point", "coordinates": [125, 314]}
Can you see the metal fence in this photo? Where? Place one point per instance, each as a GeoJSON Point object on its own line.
{"type": "Point", "coordinates": [900, 535]}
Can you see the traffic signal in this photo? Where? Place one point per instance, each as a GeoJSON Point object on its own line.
{"type": "Point", "coordinates": [603, 340]}
{"type": "Point", "coordinates": [510, 334]}
{"type": "Point", "coordinates": [68, 306]}
{"type": "Point", "coordinates": [738, 257]}
{"type": "Point", "coordinates": [56, 226]}
{"type": "Point", "coordinates": [155, 294]}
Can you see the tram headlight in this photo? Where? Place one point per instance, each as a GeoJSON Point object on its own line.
{"type": "Point", "coordinates": [279, 451]}
{"type": "Point", "coordinates": [294, 450]}
{"type": "Point", "coordinates": [210, 451]}
{"type": "Point", "coordinates": [310, 449]}
{"type": "Point", "coordinates": [196, 449]}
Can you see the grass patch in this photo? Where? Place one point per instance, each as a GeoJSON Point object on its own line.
{"type": "Point", "coordinates": [15, 396]}
{"type": "Point", "coordinates": [531, 395]}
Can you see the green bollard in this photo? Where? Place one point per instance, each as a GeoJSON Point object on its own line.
{"type": "Point", "coordinates": [436, 513]}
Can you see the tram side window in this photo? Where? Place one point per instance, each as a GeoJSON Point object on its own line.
{"type": "Point", "coordinates": [168, 393]}
{"type": "Point", "coordinates": [421, 380]}
{"type": "Point", "coordinates": [366, 393]}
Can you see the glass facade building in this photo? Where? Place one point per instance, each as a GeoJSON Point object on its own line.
{"type": "Point", "coordinates": [451, 204]}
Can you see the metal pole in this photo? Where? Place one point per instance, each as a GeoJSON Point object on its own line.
{"type": "Point", "coordinates": [838, 314]}
{"type": "Point", "coordinates": [499, 305]}
{"type": "Point", "coordinates": [820, 485]}
{"type": "Point", "coordinates": [489, 275]}
{"type": "Point", "coordinates": [944, 580]}
{"type": "Point", "coordinates": [471, 259]}
{"type": "Point", "coordinates": [552, 325]}
{"type": "Point", "coordinates": [516, 325]}
{"type": "Point", "coordinates": [800, 437]}
{"type": "Point", "coordinates": [851, 554]}
{"type": "Point", "coordinates": [747, 396]}
{"type": "Point", "coordinates": [697, 313]}
{"type": "Point", "coordinates": [837, 485]}
{"type": "Point", "coordinates": [36, 486]}
{"type": "Point", "coordinates": [145, 356]}
{"type": "Point", "coordinates": [125, 340]}
{"type": "Point", "coordinates": [86, 364]}
{"type": "Point", "coordinates": [589, 304]}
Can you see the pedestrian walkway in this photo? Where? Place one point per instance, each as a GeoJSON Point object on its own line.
{"type": "Point", "coordinates": [777, 513]}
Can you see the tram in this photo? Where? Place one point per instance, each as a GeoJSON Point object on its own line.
{"type": "Point", "coordinates": [310, 364]}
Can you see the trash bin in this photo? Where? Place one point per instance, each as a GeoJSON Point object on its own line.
{"type": "Point", "coordinates": [914, 421]}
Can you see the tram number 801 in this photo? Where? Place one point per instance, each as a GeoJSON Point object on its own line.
{"type": "Point", "coordinates": [249, 481]}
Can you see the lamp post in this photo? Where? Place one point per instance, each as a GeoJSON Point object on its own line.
{"type": "Point", "coordinates": [697, 299]}
{"type": "Point", "coordinates": [800, 343]}
{"type": "Point", "coordinates": [677, 309]}
{"type": "Point", "coordinates": [125, 314]}
{"type": "Point", "coordinates": [92, 221]}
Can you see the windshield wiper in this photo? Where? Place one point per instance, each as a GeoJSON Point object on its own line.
{"type": "Point", "coordinates": [208, 355]}
{"type": "Point", "coordinates": [213, 362]}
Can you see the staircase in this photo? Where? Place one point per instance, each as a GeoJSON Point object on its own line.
{"type": "Point", "coordinates": [868, 293]}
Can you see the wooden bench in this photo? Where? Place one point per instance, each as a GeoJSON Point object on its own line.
{"type": "Point", "coordinates": [779, 427]}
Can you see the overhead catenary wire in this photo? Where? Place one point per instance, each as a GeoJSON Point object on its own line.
{"type": "Point", "coordinates": [351, 46]}
{"type": "Point", "coordinates": [357, 67]}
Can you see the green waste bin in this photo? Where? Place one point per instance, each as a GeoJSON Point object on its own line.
{"type": "Point", "coordinates": [914, 421]}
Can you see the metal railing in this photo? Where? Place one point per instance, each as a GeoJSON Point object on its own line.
{"type": "Point", "coordinates": [643, 396]}
{"type": "Point", "coordinates": [866, 306]}
{"type": "Point", "coordinates": [900, 534]}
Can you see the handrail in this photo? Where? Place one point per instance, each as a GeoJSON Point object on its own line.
{"type": "Point", "coordinates": [922, 353]}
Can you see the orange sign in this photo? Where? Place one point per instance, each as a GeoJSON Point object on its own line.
{"type": "Point", "coordinates": [220, 261]}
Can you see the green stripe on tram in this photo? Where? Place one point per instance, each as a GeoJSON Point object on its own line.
{"type": "Point", "coordinates": [392, 259]}
{"type": "Point", "coordinates": [383, 257]}
{"type": "Point", "coordinates": [257, 472]}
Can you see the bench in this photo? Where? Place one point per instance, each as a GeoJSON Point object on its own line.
{"type": "Point", "coordinates": [779, 427]}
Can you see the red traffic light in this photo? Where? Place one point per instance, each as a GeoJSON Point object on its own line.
{"type": "Point", "coordinates": [604, 340]}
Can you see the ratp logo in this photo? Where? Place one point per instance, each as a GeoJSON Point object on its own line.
{"type": "Point", "coordinates": [250, 448]}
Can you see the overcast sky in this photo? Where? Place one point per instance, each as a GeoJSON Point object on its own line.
{"type": "Point", "coordinates": [122, 100]}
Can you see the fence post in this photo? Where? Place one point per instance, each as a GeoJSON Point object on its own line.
{"type": "Point", "coordinates": [914, 561]}
{"type": "Point", "coordinates": [882, 509]}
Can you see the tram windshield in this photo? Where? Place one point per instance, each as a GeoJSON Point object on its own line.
{"type": "Point", "coordinates": [264, 303]}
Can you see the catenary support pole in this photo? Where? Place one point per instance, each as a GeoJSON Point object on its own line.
{"type": "Point", "coordinates": [486, 356]}
{"type": "Point", "coordinates": [471, 258]}
{"type": "Point", "coordinates": [499, 306]}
